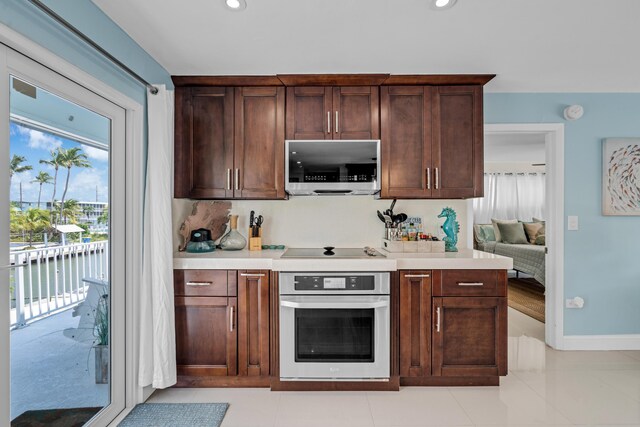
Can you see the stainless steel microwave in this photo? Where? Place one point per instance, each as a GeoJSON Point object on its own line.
{"type": "Point", "coordinates": [332, 167]}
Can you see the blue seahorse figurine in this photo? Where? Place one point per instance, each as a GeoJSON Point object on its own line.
{"type": "Point", "coordinates": [450, 228]}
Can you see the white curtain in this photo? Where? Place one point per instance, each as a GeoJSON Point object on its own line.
{"type": "Point", "coordinates": [157, 327]}
{"type": "Point", "coordinates": [511, 196]}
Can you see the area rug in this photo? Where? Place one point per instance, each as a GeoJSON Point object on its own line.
{"type": "Point", "coordinates": [176, 415]}
{"type": "Point", "coordinates": [68, 417]}
{"type": "Point", "coordinates": [527, 296]}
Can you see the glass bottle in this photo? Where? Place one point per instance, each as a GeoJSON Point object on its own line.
{"type": "Point", "coordinates": [233, 240]}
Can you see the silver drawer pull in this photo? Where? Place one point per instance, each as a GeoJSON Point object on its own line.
{"type": "Point", "coordinates": [417, 275]}
{"type": "Point", "coordinates": [252, 274]}
{"type": "Point", "coordinates": [438, 319]}
{"type": "Point", "coordinates": [470, 284]}
{"type": "Point", "coordinates": [231, 319]}
{"type": "Point", "coordinates": [199, 283]}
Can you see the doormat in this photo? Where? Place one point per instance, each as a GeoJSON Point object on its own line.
{"type": "Point", "coordinates": [527, 296]}
{"type": "Point", "coordinates": [68, 417]}
{"type": "Point", "coordinates": [176, 415]}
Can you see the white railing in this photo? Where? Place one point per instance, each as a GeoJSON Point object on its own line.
{"type": "Point", "coordinates": [48, 280]}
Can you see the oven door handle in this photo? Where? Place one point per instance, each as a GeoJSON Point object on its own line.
{"type": "Point", "coordinates": [336, 304]}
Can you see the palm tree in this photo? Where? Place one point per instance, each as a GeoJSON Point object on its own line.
{"type": "Point", "coordinates": [68, 159]}
{"type": "Point", "coordinates": [69, 211]}
{"type": "Point", "coordinates": [34, 220]}
{"type": "Point", "coordinates": [104, 216]}
{"type": "Point", "coordinates": [16, 165]}
{"type": "Point", "coordinates": [55, 162]}
{"type": "Point", "coordinates": [87, 210]}
{"type": "Point", "coordinates": [42, 178]}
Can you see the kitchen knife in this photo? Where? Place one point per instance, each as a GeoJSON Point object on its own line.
{"type": "Point", "coordinates": [251, 219]}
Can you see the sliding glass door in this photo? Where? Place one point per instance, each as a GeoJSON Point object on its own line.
{"type": "Point", "coordinates": [62, 251]}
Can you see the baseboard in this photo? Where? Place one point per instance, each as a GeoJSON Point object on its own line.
{"type": "Point", "coordinates": [601, 342]}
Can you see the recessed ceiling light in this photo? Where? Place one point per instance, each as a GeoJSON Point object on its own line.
{"type": "Point", "coordinates": [442, 4]}
{"type": "Point", "coordinates": [235, 5]}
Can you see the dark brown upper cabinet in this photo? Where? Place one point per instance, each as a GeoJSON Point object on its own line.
{"type": "Point", "coordinates": [259, 143]}
{"type": "Point", "coordinates": [229, 142]}
{"type": "Point", "coordinates": [458, 157]}
{"type": "Point", "coordinates": [324, 112]}
{"type": "Point", "coordinates": [432, 142]}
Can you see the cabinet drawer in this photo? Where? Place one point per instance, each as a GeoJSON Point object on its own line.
{"type": "Point", "coordinates": [206, 283]}
{"type": "Point", "coordinates": [471, 283]}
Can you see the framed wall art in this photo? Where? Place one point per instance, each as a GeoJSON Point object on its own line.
{"type": "Point", "coordinates": [621, 176]}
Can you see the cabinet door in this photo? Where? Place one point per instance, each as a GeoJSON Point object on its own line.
{"type": "Point", "coordinates": [458, 142]}
{"type": "Point", "coordinates": [206, 336]}
{"type": "Point", "coordinates": [259, 143]}
{"type": "Point", "coordinates": [406, 141]}
{"type": "Point", "coordinates": [253, 323]}
{"type": "Point", "coordinates": [415, 323]}
{"type": "Point", "coordinates": [356, 112]}
{"type": "Point", "coordinates": [469, 336]}
{"type": "Point", "coordinates": [204, 143]}
{"type": "Point", "coordinates": [309, 112]}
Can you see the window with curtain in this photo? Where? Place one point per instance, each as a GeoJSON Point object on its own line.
{"type": "Point", "coordinates": [511, 196]}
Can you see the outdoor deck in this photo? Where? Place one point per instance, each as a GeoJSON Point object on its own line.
{"type": "Point", "coordinates": [50, 370]}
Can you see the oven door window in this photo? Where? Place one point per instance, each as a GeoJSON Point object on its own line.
{"type": "Point", "coordinates": [334, 335]}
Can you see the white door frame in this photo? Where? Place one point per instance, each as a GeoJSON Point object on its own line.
{"type": "Point", "coordinates": [134, 168]}
{"type": "Point", "coordinates": [554, 200]}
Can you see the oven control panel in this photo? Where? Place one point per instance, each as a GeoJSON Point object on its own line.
{"type": "Point", "coordinates": [334, 283]}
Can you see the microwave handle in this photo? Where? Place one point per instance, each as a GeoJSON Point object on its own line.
{"type": "Point", "coordinates": [322, 305]}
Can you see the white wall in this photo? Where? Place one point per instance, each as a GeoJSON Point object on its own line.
{"type": "Point", "coordinates": [341, 221]}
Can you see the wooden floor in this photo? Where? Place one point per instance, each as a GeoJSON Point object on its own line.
{"type": "Point", "coordinates": [527, 296]}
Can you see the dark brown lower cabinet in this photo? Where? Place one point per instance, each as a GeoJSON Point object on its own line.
{"type": "Point", "coordinates": [222, 340]}
{"type": "Point", "coordinates": [469, 336]}
{"type": "Point", "coordinates": [206, 336]}
{"type": "Point", "coordinates": [253, 323]}
{"type": "Point", "coordinates": [415, 323]}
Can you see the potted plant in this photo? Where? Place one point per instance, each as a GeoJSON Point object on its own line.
{"type": "Point", "coordinates": [101, 343]}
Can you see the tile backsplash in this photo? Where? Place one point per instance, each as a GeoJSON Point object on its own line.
{"type": "Point", "coordinates": [341, 221]}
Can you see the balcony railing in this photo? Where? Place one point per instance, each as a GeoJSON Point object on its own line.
{"type": "Point", "coordinates": [44, 281]}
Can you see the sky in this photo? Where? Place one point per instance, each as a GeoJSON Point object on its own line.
{"type": "Point", "coordinates": [34, 146]}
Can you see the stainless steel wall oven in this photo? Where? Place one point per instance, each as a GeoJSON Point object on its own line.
{"type": "Point", "coordinates": [334, 326]}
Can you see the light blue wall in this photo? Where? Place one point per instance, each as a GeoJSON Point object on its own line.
{"type": "Point", "coordinates": [21, 16]}
{"type": "Point", "coordinates": [602, 259]}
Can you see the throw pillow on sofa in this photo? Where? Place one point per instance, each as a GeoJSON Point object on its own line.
{"type": "Point", "coordinates": [513, 233]}
{"type": "Point", "coordinates": [496, 230]}
{"type": "Point", "coordinates": [533, 229]}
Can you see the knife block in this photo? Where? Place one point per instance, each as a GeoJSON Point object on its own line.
{"type": "Point", "coordinates": [255, 243]}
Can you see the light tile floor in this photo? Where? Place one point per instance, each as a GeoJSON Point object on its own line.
{"type": "Point", "coordinates": [588, 388]}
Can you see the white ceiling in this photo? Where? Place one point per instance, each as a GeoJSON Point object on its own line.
{"type": "Point", "coordinates": [533, 45]}
{"type": "Point", "coordinates": [514, 148]}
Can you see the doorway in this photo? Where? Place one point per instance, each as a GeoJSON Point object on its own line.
{"type": "Point", "coordinates": [62, 246]}
{"type": "Point", "coordinates": [552, 136]}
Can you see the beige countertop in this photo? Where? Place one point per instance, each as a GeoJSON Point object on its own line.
{"type": "Point", "coordinates": [465, 259]}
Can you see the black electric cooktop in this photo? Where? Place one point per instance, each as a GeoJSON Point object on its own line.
{"type": "Point", "coordinates": [330, 253]}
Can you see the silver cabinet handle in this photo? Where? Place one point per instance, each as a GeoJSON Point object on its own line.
{"type": "Point", "coordinates": [231, 319]}
{"type": "Point", "coordinates": [252, 274]}
{"type": "Point", "coordinates": [417, 275]}
{"type": "Point", "coordinates": [428, 178]}
{"type": "Point", "coordinates": [438, 319]}
{"type": "Point", "coordinates": [237, 180]}
{"type": "Point", "coordinates": [199, 283]}
{"type": "Point", "coordinates": [337, 130]}
{"type": "Point", "coordinates": [470, 284]}
{"type": "Point", "coordinates": [437, 179]}
{"type": "Point", "coordinates": [328, 121]}
{"type": "Point", "coordinates": [228, 179]}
